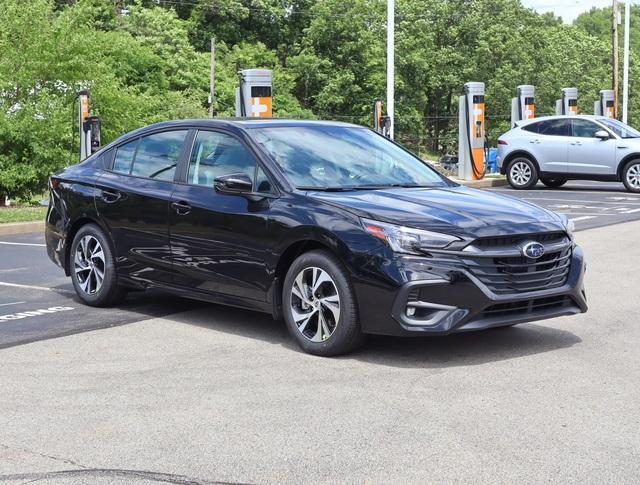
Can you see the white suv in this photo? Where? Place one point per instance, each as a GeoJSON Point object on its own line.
{"type": "Point", "coordinates": [554, 149]}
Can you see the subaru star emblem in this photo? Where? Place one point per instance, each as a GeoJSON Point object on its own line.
{"type": "Point", "coordinates": [533, 250]}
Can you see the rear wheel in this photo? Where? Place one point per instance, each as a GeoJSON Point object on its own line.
{"type": "Point", "coordinates": [319, 305]}
{"type": "Point", "coordinates": [522, 173]}
{"type": "Point", "coordinates": [631, 176]}
{"type": "Point", "coordinates": [553, 183]}
{"type": "Point", "coordinates": [93, 270]}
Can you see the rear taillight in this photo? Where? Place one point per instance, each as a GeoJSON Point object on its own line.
{"type": "Point", "coordinates": [502, 142]}
{"type": "Point", "coordinates": [53, 183]}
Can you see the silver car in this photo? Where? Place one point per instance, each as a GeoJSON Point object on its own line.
{"type": "Point", "coordinates": [554, 149]}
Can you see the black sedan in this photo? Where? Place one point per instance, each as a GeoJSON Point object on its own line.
{"type": "Point", "coordinates": [330, 226]}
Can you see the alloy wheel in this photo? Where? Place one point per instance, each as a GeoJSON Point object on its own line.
{"type": "Point", "coordinates": [89, 265]}
{"type": "Point", "coordinates": [520, 173]}
{"type": "Point", "coordinates": [315, 304]}
{"type": "Point", "coordinates": [633, 176]}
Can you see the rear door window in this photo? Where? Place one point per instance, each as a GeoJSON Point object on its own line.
{"type": "Point", "coordinates": [157, 155]}
{"type": "Point", "coordinates": [557, 127]}
{"type": "Point", "coordinates": [124, 157]}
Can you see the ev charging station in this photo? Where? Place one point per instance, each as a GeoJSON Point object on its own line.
{"type": "Point", "coordinates": [523, 106]}
{"type": "Point", "coordinates": [381, 122]}
{"type": "Point", "coordinates": [89, 127]}
{"type": "Point", "coordinates": [605, 104]}
{"type": "Point", "coordinates": [568, 104]}
{"type": "Point", "coordinates": [471, 132]}
{"type": "Point", "coordinates": [253, 95]}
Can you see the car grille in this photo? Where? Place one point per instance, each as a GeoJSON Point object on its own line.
{"type": "Point", "coordinates": [527, 307]}
{"type": "Point", "coordinates": [499, 265]}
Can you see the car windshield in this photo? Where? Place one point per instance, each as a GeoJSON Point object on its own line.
{"type": "Point", "coordinates": [619, 128]}
{"type": "Point", "coordinates": [343, 158]}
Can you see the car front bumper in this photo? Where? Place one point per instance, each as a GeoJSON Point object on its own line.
{"type": "Point", "coordinates": [439, 299]}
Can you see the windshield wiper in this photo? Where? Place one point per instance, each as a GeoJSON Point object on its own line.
{"type": "Point", "coordinates": [325, 188]}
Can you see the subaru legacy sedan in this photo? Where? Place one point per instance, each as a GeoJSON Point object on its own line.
{"type": "Point", "coordinates": [554, 149]}
{"type": "Point", "coordinates": [330, 226]}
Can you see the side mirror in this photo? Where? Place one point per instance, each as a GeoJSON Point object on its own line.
{"type": "Point", "coordinates": [234, 183]}
{"type": "Point", "coordinates": [603, 135]}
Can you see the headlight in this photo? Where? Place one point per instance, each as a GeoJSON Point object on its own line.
{"type": "Point", "coordinates": [569, 225]}
{"type": "Point", "coordinates": [406, 239]}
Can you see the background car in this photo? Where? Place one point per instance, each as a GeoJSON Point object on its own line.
{"type": "Point", "coordinates": [555, 149]}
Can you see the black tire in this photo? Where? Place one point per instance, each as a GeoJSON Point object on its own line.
{"type": "Point", "coordinates": [108, 292]}
{"type": "Point", "coordinates": [553, 183]}
{"type": "Point", "coordinates": [522, 173]}
{"type": "Point", "coordinates": [631, 175]}
{"type": "Point", "coordinates": [345, 333]}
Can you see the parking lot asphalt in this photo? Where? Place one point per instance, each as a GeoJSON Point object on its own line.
{"type": "Point", "coordinates": [588, 204]}
{"type": "Point", "coordinates": [165, 390]}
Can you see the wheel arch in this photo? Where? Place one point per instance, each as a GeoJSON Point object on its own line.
{"type": "Point", "coordinates": [624, 161]}
{"type": "Point", "coordinates": [518, 153]}
{"type": "Point", "coordinates": [291, 251]}
{"type": "Point", "coordinates": [71, 234]}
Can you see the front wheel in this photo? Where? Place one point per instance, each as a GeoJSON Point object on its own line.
{"type": "Point", "coordinates": [320, 306]}
{"type": "Point", "coordinates": [553, 183]}
{"type": "Point", "coordinates": [93, 270]}
{"type": "Point", "coordinates": [522, 173]}
{"type": "Point", "coordinates": [631, 176]}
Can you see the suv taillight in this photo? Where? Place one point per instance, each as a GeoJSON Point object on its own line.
{"type": "Point", "coordinates": [502, 142]}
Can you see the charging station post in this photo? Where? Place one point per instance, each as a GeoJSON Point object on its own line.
{"type": "Point", "coordinates": [253, 95]}
{"type": "Point", "coordinates": [381, 122]}
{"type": "Point", "coordinates": [568, 103]}
{"type": "Point", "coordinates": [88, 127]}
{"type": "Point", "coordinates": [523, 106]}
{"type": "Point", "coordinates": [605, 106]}
{"type": "Point", "coordinates": [471, 132]}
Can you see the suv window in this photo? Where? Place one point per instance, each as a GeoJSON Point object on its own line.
{"type": "Point", "coordinates": [215, 154]}
{"type": "Point", "coordinates": [584, 128]}
{"type": "Point", "coordinates": [557, 127]}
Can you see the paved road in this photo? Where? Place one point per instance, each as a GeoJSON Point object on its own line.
{"type": "Point", "coordinates": [589, 204]}
{"type": "Point", "coordinates": [30, 282]}
{"type": "Point", "coordinates": [222, 395]}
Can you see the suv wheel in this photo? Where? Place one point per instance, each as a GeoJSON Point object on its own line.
{"type": "Point", "coordinates": [319, 305]}
{"type": "Point", "coordinates": [522, 173]}
{"type": "Point", "coordinates": [553, 183]}
{"type": "Point", "coordinates": [93, 271]}
{"type": "Point", "coordinates": [631, 176]}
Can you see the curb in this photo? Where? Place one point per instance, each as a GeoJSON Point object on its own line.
{"type": "Point", "coordinates": [11, 228]}
{"type": "Point", "coordinates": [481, 184]}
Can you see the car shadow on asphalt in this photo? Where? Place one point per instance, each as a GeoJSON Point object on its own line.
{"type": "Point", "coordinates": [472, 348]}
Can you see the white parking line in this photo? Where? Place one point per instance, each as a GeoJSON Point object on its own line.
{"type": "Point", "coordinates": [12, 303]}
{"type": "Point", "coordinates": [9, 270]}
{"type": "Point", "coordinates": [583, 218]}
{"type": "Point", "coordinates": [31, 287]}
{"type": "Point", "coordinates": [569, 200]}
{"type": "Point", "coordinates": [22, 244]}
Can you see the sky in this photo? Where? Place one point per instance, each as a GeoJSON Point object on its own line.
{"type": "Point", "coordinates": [567, 9]}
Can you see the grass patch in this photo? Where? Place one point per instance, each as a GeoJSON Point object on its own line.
{"type": "Point", "coordinates": [22, 214]}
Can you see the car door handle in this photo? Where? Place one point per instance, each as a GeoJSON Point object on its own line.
{"type": "Point", "coordinates": [181, 208]}
{"type": "Point", "coordinates": [624, 147]}
{"type": "Point", "coordinates": [111, 196]}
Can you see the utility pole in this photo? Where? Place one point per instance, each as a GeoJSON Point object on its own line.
{"type": "Point", "coordinates": [212, 74]}
{"type": "Point", "coordinates": [390, 64]}
{"type": "Point", "coordinates": [615, 74]}
{"type": "Point", "coordinates": [625, 68]}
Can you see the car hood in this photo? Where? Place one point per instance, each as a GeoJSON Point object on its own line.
{"type": "Point", "coordinates": [458, 210]}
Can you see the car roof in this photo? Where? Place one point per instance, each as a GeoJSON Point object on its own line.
{"type": "Point", "coordinates": [554, 117]}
